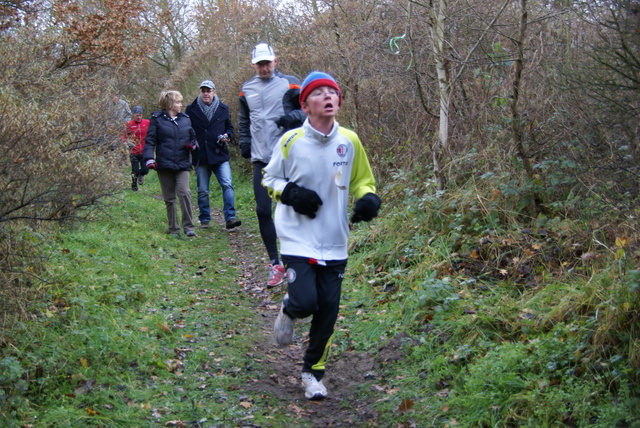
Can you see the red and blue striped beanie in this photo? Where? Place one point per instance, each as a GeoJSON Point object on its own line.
{"type": "Point", "coordinates": [314, 80]}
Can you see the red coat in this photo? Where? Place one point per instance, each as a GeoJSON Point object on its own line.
{"type": "Point", "coordinates": [135, 133]}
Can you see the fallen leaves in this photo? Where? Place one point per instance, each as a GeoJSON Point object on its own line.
{"type": "Point", "coordinates": [622, 241]}
{"type": "Point", "coordinates": [443, 393]}
{"type": "Point", "coordinates": [589, 256]}
{"type": "Point", "coordinates": [298, 411]}
{"type": "Point", "coordinates": [91, 412]}
{"type": "Point", "coordinates": [174, 366]}
{"type": "Point", "coordinates": [84, 387]}
{"type": "Point", "coordinates": [386, 389]}
{"type": "Point", "coordinates": [406, 405]}
{"type": "Point", "coordinates": [164, 327]}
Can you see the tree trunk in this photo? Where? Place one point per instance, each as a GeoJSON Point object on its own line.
{"type": "Point", "coordinates": [438, 17]}
{"type": "Point", "coordinates": [517, 125]}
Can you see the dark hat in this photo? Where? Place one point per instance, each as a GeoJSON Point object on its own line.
{"type": "Point", "coordinates": [136, 110]}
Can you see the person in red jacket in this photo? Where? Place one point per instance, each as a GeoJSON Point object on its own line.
{"type": "Point", "coordinates": [135, 133]}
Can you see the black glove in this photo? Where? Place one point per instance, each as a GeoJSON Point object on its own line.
{"type": "Point", "coordinates": [304, 201]}
{"type": "Point", "coordinates": [366, 208]}
{"type": "Point", "coordinates": [287, 122]}
{"type": "Point", "coordinates": [246, 150]}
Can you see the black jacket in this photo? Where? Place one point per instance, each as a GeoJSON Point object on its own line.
{"type": "Point", "coordinates": [168, 138]}
{"type": "Point", "coordinates": [207, 132]}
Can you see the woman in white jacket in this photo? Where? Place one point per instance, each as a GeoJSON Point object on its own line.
{"type": "Point", "coordinates": [312, 171]}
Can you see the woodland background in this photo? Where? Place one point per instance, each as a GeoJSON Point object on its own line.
{"type": "Point", "coordinates": [484, 116]}
{"type": "Point", "coordinates": [535, 102]}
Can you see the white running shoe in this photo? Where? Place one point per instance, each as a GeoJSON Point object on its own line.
{"type": "Point", "coordinates": [313, 388]}
{"type": "Point", "coordinates": [283, 327]}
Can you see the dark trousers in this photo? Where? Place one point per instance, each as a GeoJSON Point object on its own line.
{"type": "Point", "coordinates": [137, 166]}
{"type": "Point", "coordinates": [315, 290]}
{"type": "Point", "coordinates": [264, 212]}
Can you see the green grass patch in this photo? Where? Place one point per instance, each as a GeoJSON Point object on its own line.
{"type": "Point", "coordinates": [137, 328]}
{"type": "Point", "coordinates": [464, 316]}
{"type": "Point", "coordinates": [498, 326]}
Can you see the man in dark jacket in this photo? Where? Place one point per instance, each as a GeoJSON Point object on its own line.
{"type": "Point", "coordinates": [212, 123]}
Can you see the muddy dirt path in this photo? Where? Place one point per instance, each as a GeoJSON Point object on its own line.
{"type": "Point", "coordinates": [345, 371]}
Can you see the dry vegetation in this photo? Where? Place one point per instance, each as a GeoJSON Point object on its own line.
{"type": "Point", "coordinates": [541, 119]}
{"type": "Point", "coordinates": [567, 147]}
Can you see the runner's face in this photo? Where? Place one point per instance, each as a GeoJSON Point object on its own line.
{"type": "Point", "coordinates": [322, 102]}
{"type": "Point", "coordinates": [265, 69]}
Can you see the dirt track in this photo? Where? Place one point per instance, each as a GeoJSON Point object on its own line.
{"type": "Point", "coordinates": [346, 372]}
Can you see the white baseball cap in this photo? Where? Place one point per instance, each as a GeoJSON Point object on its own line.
{"type": "Point", "coordinates": [262, 52]}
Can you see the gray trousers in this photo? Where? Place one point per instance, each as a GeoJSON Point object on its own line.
{"type": "Point", "coordinates": [176, 183]}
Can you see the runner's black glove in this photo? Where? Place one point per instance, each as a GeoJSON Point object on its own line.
{"type": "Point", "coordinates": [366, 208]}
{"type": "Point", "coordinates": [287, 122]}
{"type": "Point", "coordinates": [246, 150]}
{"type": "Point", "coordinates": [304, 201]}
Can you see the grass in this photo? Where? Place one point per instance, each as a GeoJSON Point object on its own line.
{"type": "Point", "coordinates": [507, 337]}
{"type": "Point", "coordinates": [136, 328]}
{"type": "Point", "coordinates": [125, 305]}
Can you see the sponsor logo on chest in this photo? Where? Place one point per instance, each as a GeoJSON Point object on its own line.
{"type": "Point", "coordinates": [342, 150]}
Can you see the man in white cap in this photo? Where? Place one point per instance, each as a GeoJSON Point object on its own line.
{"type": "Point", "coordinates": [269, 106]}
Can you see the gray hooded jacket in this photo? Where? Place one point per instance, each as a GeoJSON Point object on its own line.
{"type": "Point", "coordinates": [262, 102]}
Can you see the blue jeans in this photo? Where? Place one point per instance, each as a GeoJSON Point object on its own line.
{"type": "Point", "coordinates": [223, 174]}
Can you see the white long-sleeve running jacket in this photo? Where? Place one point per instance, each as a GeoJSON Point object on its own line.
{"type": "Point", "coordinates": [334, 166]}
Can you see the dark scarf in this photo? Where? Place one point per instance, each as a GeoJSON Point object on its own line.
{"type": "Point", "coordinates": [209, 110]}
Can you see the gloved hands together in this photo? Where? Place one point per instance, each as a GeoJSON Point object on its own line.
{"type": "Point", "coordinates": [304, 201]}
{"type": "Point", "coordinates": [151, 164]}
{"type": "Point", "coordinates": [287, 122]}
{"type": "Point", "coordinates": [192, 145]}
{"type": "Point", "coordinates": [246, 151]}
{"type": "Point", "coordinates": [222, 139]}
{"type": "Point", "coordinates": [366, 208]}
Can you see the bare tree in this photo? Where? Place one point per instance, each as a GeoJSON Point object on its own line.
{"type": "Point", "coordinates": [609, 75]}
{"type": "Point", "coordinates": [173, 26]}
{"type": "Point", "coordinates": [446, 75]}
{"type": "Point", "coordinates": [98, 34]}
{"type": "Point", "coordinates": [61, 149]}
